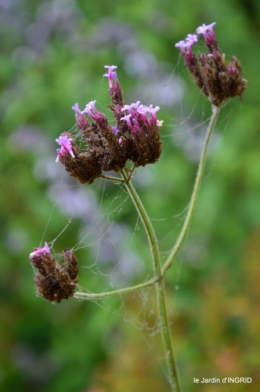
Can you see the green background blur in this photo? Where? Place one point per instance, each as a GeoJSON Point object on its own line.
{"type": "Point", "coordinates": [52, 55]}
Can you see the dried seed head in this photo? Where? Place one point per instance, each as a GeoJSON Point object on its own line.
{"type": "Point", "coordinates": [54, 281]}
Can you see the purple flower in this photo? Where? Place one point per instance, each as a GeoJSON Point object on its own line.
{"type": "Point", "coordinates": [152, 111]}
{"type": "Point", "coordinates": [91, 110]}
{"type": "Point", "coordinates": [66, 147]}
{"type": "Point", "coordinates": [208, 34]}
{"type": "Point", "coordinates": [115, 130]}
{"type": "Point", "coordinates": [132, 106]}
{"type": "Point", "coordinates": [126, 107]}
{"type": "Point", "coordinates": [148, 114]}
{"type": "Point", "coordinates": [192, 38]}
{"type": "Point", "coordinates": [185, 46]}
{"type": "Point", "coordinates": [186, 49]}
{"type": "Point", "coordinates": [206, 30]}
{"type": "Point", "coordinates": [39, 251]}
{"type": "Point", "coordinates": [139, 114]}
{"type": "Point", "coordinates": [135, 105]}
{"type": "Point", "coordinates": [111, 75]}
{"type": "Point", "coordinates": [127, 119]}
{"type": "Point", "coordinates": [77, 109]}
{"type": "Point", "coordinates": [136, 108]}
{"type": "Point", "coordinates": [81, 120]}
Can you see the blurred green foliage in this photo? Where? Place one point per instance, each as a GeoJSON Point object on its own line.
{"type": "Point", "coordinates": [52, 55]}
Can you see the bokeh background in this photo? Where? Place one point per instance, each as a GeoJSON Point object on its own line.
{"type": "Point", "coordinates": [52, 55]}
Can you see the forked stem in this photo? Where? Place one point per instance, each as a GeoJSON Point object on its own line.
{"type": "Point", "coordinates": [173, 377]}
{"type": "Point", "coordinates": [159, 271]}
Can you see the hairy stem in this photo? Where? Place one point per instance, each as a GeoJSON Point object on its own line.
{"type": "Point", "coordinates": [160, 289]}
{"type": "Point", "coordinates": [194, 195]}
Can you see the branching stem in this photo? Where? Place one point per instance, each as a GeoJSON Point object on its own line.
{"type": "Point", "coordinates": [159, 271]}
{"type": "Point", "coordinates": [93, 296]}
{"type": "Point", "coordinates": [160, 288]}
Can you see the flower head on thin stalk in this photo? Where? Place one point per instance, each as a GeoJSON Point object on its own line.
{"type": "Point", "coordinates": [54, 281]}
{"type": "Point", "coordinates": [135, 136]}
{"type": "Point", "coordinates": [218, 79]}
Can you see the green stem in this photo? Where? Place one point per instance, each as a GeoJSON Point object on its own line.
{"type": "Point", "coordinates": [113, 179]}
{"type": "Point", "coordinates": [146, 222]}
{"type": "Point", "coordinates": [160, 289]}
{"type": "Point", "coordinates": [92, 296]}
{"type": "Point", "coordinates": [194, 195]}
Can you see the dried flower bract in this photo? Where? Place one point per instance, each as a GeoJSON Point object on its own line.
{"type": "Point", "coordinates": [54, 281]}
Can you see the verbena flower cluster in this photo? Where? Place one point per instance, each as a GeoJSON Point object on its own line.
{"type": "Point", "coordinates": [218, 79]}
{"type": "Point", "coordinates": [135, 136]}
{"type": "Point", "coordinates": [54, 281]}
